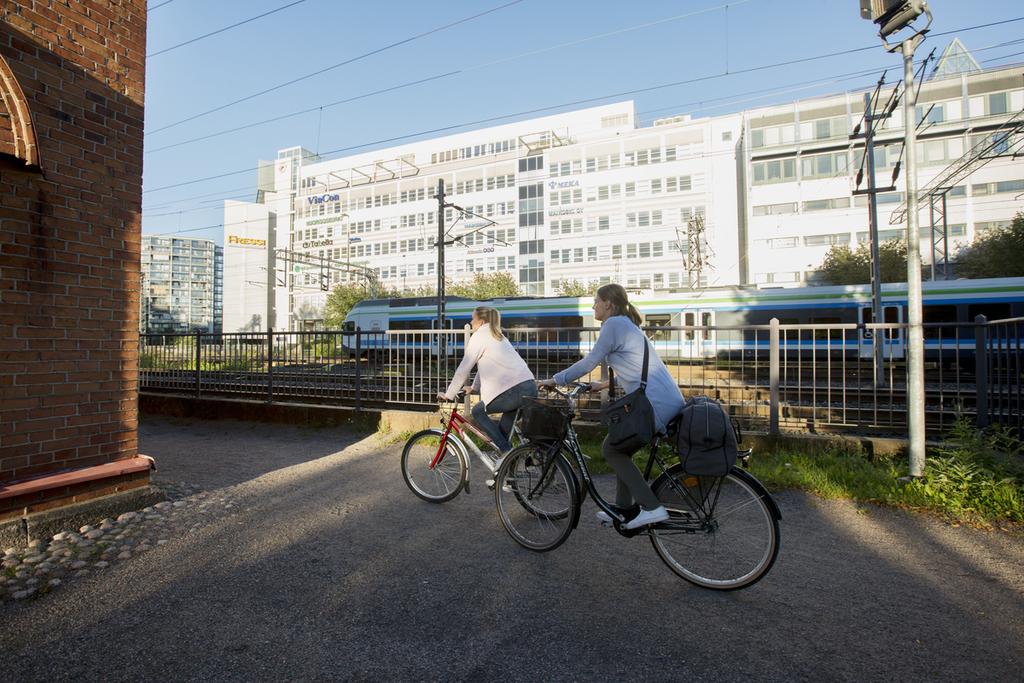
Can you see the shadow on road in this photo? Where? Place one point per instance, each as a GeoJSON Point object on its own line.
{"type": "Point", "coordinates": [328, 567]}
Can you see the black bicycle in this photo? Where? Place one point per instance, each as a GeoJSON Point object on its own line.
{"type": "Point", "coordinates": [722, 532]}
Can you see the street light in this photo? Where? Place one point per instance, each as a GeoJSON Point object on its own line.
{"type": "Point", "coordinates": [892, 16]}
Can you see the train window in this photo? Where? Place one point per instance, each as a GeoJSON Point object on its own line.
{"type": "Point", "coordinates": [992, 311]}
{"type": "Point", "coordinates": [938, 314]}
{"type": "Point", "coordinates": [689, 320]}
{"type": "Point", "coordinates": [653, 322]}
{"type": "Point", "coordinates": [827, 334]}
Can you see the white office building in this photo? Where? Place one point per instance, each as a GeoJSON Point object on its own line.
{"type": "Point", "coordinates": [802, 169]}
{"type": "Point", "coordinates": [584, 196]}
{"type": "Point", "coordinates": [752, 198]}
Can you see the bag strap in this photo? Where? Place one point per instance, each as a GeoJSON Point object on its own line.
{"type": "Point", "coordinates": [643, 372]}
{"type": "Point", "coordinates": [647, 357]}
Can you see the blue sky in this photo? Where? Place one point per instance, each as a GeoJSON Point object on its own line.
{"type": "Point", "coordinates": [528, 55]}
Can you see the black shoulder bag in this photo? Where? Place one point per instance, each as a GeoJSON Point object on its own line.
{"type": "Point", "coordinates": [630, 420]}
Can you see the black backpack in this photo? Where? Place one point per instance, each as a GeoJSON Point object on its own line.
{"type": "Point", "coordinates": [705, 439]}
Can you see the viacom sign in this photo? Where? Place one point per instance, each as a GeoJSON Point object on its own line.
{"type": "Point", "coordinates": [323, 198]}
{"type": "Point", "coordinates": [246, 241]}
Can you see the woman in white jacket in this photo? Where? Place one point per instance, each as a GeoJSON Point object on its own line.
{"type": "Point", "coordinates": [502, 378]}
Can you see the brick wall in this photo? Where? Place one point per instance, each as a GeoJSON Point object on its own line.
{"type": "Point", "coordinates": [70, 235]}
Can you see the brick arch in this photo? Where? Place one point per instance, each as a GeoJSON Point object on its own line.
{"type": "Point", "coordinates": [17, 134]}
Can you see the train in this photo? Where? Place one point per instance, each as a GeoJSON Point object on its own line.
{"type": "Point", "coordinates": [709, 322]}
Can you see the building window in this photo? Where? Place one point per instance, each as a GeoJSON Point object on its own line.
{"type": "Point", "coordinates": [534, 163]}
{"type": "Point", "coordinates": [824, 165]}
{"type": "Point", "coordinates": [775, 171]}
{"type": "Point", "coordinates": [775, 209]}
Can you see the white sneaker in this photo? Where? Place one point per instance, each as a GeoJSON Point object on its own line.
{"type": "Point", "coordinates": [604, 518]}
{"type": "Point", "coordinates": [658, 514]}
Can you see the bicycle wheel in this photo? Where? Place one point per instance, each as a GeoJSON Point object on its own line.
{"type": "Point", "coordinates": [721, 533]}
{"type": "Point", "coordinates": [535, 491]}
{"type": "Point", "coordinates": [442, 482]}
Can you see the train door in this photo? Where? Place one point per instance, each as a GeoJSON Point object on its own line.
{"type": "Point", "coordinates": [442, 344]}
{"type": "Point", "coordinates": [892, 339]}
{"type": "Point", "coordinates": [699, 342]}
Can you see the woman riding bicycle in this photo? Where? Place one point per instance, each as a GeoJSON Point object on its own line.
{"type": "Point", "coordinates": [502, 379]}
{"type": "Point", "coordinates": [621, 343]}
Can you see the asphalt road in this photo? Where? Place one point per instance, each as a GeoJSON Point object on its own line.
{"type": "Point", "coordinates": [327, 567]}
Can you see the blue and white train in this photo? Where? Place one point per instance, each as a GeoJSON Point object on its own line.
{"type": "Point", "coordinates": [722, 317]}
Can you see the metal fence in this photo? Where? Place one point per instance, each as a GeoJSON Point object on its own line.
{"type": "Point", "coordinates": [772, 377]}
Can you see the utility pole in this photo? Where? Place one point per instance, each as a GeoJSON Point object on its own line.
{"type": "Point", "coordinates": [872, 192]}
{"type": "Point", "coordinates": [915, 337]}
{"type": "Point", "coordinates": [892, 16]}
{"type": "Point", "coordinates": [440, 262]}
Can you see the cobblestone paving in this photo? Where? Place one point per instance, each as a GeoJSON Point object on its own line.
{"type": "Point", "coordinates": [44, 566]}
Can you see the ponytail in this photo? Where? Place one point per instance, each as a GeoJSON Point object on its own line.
{"type": "Point", "coordinates": [617, 297]}
{"type": "Point", "coordinates": [492, 317]}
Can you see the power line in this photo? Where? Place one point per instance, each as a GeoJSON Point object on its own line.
{"type": "Point", "coordinates": [447, 74]}
{"type": "Point", "coordinates": [339, 64]}
{"type": "Point", "coordinates": [153, 7]}
{"type": "Point", "coordinates": [305, 111]}
{"type": "Point", "coordinates": [222, 30]}
{"type": "Point", "coordinates": [573, 103]}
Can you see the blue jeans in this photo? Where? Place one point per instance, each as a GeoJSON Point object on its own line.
{"type": "Point", "coordinates": [506, 403]}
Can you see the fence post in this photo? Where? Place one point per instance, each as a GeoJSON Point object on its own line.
{"type": "Point", "coordinates": [358, 375]}
{"type": "Point", "coordinates": [199, 360]}
{"type": "Point", "coordinates": [270, 365]}
{"type": "Point", "coordinates": [773, 377]}
{"type": "Point", "coordinates": [981, 370]}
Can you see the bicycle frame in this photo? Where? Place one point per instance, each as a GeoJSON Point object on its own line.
{"type": "Point", "coordinates": [460, 425]}
{"type": "Point", "coordinates": [683, 521]}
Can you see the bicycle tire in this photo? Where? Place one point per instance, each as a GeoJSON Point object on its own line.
{"type": "Point", "coordinates": [448, 477]}
{"type": "Point", "coordinates": [535, 493]}
{"type": "Point", "coordinates": [734, 547]}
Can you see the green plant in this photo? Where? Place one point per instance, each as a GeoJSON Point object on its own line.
{"type": "Point", "coordinates": [996, 253]}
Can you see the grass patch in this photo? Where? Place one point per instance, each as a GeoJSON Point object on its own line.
{"type": "Point", "coordinates": [977, 478]}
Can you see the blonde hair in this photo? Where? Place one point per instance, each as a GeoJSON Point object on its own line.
{"type": "Point", "coordinates": [492, 318]}
{"type": "Point", "coordinates": [617, 297]}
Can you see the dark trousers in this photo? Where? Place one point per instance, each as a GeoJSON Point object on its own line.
{"type": "Point", "coordinates": [506, 403]}
{"type": "Point", "coordinates": [630, 484]}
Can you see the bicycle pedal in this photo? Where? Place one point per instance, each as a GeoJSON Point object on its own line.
{"type": "Point", "coordinates": [490, 484]}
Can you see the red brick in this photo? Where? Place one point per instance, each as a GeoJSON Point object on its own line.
{"type": "Point", "coordinates": [70, 237]}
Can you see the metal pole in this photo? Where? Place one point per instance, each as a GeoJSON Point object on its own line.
{"type": "Point", "coordinates": [270, 365]}
{"type": "Point", "coordinates": [773, 377]}
{"type": "Point", "coordinates": [440, 253]}
{"type": "Point", "coordinates": [981, 370]}
{"type": "Point", "coordinates": [915, 341]}
{"type": "Point", "coordinates": [359, 377]}
{"type": "Point", "coordinates": [440, 267]}
{"type": "Point", "coordinates": [199, 360]}
{"type": "Point", "coordinates": [945, 237]}
{"type": "Point", "coordinates": [876, 268]}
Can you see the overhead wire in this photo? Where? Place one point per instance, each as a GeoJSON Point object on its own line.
{"type": "Point", "coordinates": [563, 105]}
{"type": "Point", "coordinates": [338, 65]}
{"type": "Point", "coordinates": [447, 74]}
{"type": "Point", "coordinates": [222, 30]}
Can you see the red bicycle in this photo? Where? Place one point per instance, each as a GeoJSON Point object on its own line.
{"type": "Point", "coordinates": [435, 462]}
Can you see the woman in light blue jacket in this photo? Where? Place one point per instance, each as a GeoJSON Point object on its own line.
{"type": "Point", "coordinates": [621, 343]}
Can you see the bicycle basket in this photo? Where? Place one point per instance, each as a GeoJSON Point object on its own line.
{"type": "Point", "coordinates": [544, 419]}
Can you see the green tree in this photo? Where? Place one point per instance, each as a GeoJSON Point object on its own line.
{"type": "Point", "coordinates": [485, 286]}
{"type": "Point", "coordinates": [576, 288]}
{"type": "Point", "coordinates": [345, 296]}
{"type": "Point", "coordinates": [996, 253]}
{"type": "Point", "coordinates": [845, 266]}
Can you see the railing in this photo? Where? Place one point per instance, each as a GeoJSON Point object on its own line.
{"type": "Point", "coordinates": [772, 377]}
